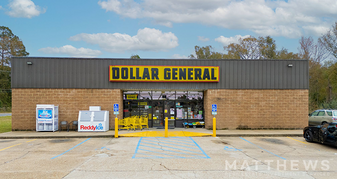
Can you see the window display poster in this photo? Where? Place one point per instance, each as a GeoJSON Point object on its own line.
{"type": "Point", "coordinates": [200, 112]}
{"type": "Point", "coordinates": [179, 113]}
{"type": "Point", "coordinates": [172, 111]}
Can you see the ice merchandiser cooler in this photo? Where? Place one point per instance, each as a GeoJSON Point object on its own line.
{"type": "Point", "coordinates": [93, 121]}
{"type": "Point", "coordinates": [47, 117]}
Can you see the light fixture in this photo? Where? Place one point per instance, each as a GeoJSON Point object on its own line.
{"type": "Point", "coordinates": [290, 65]}
{"type": "Point", "coordinates": [29, 63]}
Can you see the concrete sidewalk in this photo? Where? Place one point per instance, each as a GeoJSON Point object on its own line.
{"type": "Point", "coordinates": [111, 133]}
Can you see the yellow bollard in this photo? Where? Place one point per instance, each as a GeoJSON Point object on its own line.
{"type": "Point", "coordinates": [116, 127]}
{"type": "Point", "coordinates": [166, 127]}
{"type": "Point", "coordinates": [214, 127]}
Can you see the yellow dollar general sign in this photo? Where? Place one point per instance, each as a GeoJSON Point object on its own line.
{"type": "Point", "coordinates": [129, 73]}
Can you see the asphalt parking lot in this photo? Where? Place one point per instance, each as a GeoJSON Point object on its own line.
{"type": "Point", "coordinates": [176, 157]}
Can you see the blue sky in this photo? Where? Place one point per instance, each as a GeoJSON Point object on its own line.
{"type": "Point", "coordinates": [159, 28]}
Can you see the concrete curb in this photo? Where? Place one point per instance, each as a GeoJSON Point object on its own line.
{"type": "Point", "coordinates": [53, 137]}
{"type": "Point", "coordinates": [112, 136]}
{"type": "Point", "coordinates": [259, 135]}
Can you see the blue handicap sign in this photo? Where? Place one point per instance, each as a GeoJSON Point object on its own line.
{"type": "Point", "coordinates": [214, 108]}
{"type": "Point", "coordinates": [116, 107]}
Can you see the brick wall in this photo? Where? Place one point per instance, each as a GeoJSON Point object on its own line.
{"type": "Point", "coordinates": [257, 109]}
{"type": "Point", "coordinates": [70, 102]}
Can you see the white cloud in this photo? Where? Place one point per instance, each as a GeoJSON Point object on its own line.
{"type": "Point", "coordinates": [71, 51]}
{"type": "Point", "coordinates": [264, 17]}
{"type": "Point", "coordinates": [177, 56]}
{"type": "Point", "coordinates": [316, 30]}
{"type": "Point", "coordinates": [24, 8]}
{"type": "Point", "coordinates": [228, 40]}
{"type": "Point", "coordinates": [203, 39]}
{"type": "Point", "coordinates": [146, 40]}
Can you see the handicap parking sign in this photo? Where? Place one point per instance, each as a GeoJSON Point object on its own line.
{"type": "Point", "coordinates": [214, 108]}
{"type": "Point", "coordinates": [116, 108]}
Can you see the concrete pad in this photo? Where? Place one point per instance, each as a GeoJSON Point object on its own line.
{"type": "Point", "coordinates": [229, 157]}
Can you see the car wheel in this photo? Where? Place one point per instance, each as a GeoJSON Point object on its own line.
{"type": "Point", "coordinates": [308, 136]}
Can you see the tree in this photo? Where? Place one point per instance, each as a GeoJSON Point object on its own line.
{"type": "Point", "coordinates": [247, 48]}
{"type": "Point", "coordinates": [309, 50]}
{"type": "Point", "coordinates": [267, 47]}
{"type": "Point", "coordinates": [283, 54]}
{"type": "Point", "coordinates": [206, 53]}
{"type": "Point", "coordinates": [135, 57]}
{"type": "Point", "coordinates": [258, 48]}
{"type": "Point", "coordinates": [329, 40]}
{"type": "Point", "coordinates": [5, 87]}
{"type": "Point", "coordinates": [10, 45]}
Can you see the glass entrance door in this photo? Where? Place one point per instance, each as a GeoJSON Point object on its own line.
{"type": "Point", "coordinates": [169, 112]}
{"type": "Point", "coordinates": [158, 113]}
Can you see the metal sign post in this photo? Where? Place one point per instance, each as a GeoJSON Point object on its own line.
{"type": "Point", "coordinates": [116, 111]}
{"type": "Point", "coordinates": [214, 112]}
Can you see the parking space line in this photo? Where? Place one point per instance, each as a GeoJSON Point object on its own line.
{"type": "Point", "coordinates": [10, 147]}
{"type": "Point", "coordinates": [70, 149]}
{"type": "Point", "coordinates": [173, 144]}
{"type": "Point", "coordinates": [262, 148]}
{"type": "Point", "coordinates": [172, 148]}
{"type": "Point", "coordinates": [16, 145]}
{"type": "Point", "coordinates": [32, 140]}
{"type": "Point", "coordinates": [134, 155]}
{"type": "Point", "coordinates": [200, 148]}
{"type": "Point", "coordinates": [297, 140]}
{"type": "Point", "coordinates": [169, 142]}
{"type": "Point", "coordinates": [148, 148]}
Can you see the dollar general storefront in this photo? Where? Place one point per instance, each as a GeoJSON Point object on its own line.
{"type": "Point", "coordinates": [250, 94]}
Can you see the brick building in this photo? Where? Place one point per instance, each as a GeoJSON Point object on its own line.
{"type": "Point", "coordinates": [250, 94]}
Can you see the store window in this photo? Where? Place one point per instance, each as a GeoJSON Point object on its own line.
{"type": "Point", "coordinates": [177, 106]}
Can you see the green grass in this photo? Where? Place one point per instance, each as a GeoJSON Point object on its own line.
{"type": "Point", "coordinates": [5, 124]}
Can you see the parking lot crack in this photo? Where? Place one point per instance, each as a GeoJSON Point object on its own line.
{"type": "Point", "coordinates": [309, 174]}
{"type": "Point", "coordinates": [15, 158]}
{"type": "Point", "coordinates": [171, 171]}
{"type": "Point", "coordinates": [161, 164]}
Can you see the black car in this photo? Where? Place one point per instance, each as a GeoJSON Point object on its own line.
{"type": "Point", "coordinates": [326, 134]}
